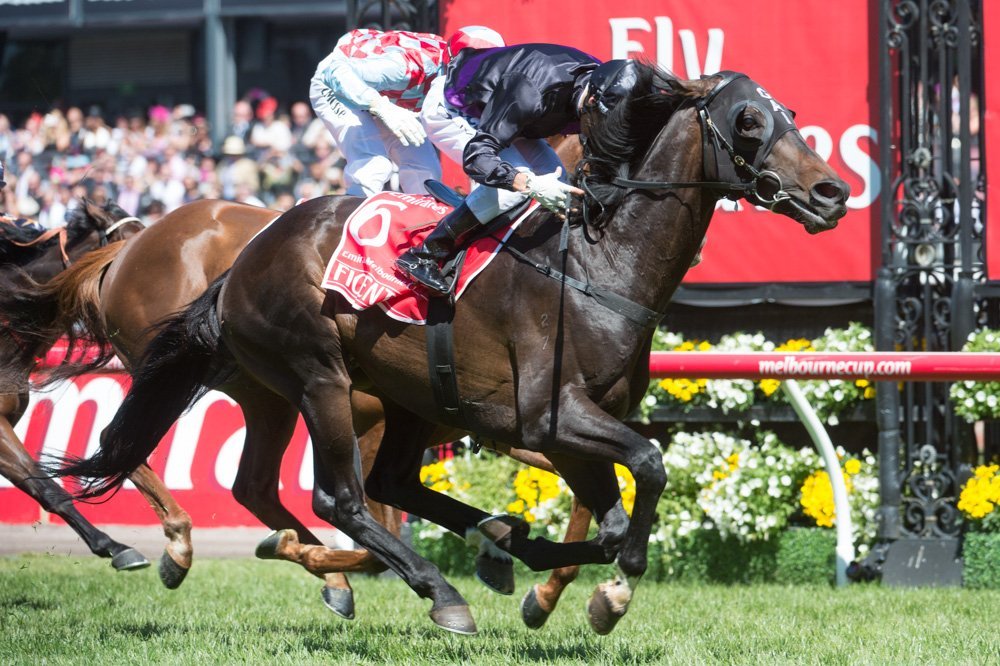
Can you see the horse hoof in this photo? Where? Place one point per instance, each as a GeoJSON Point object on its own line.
{"type": "Point", "coordinates": [129, 560]}
{"type": "Point", "coordinates": [171, 573]}
{"type": "Point", "coordinates": [456, 619]}
{"type": "Point", "coordinates": [496, 574]}
{"type": "Point", "coordinates": [340, 601]}
{"type": "Point", "coordinates": [269, 548]}
{"type": "Point", "coordinates": [602, 613]}
{"type": "Point", "coordinates": [532, 613]}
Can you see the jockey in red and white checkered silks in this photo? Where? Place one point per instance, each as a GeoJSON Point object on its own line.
{"type": "Point", "coordinates": [369, 92]}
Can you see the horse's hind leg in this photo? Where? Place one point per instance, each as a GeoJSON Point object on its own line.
{"type": "Point", "coordinates": [270, 422]}
{"type": "Point", "coordinates": [338, 498]}
{"type": "Point", "coordinates": [20, 468]}
{"type": "Point", "coordinates": [540, 600]}
{"type": "Point", "coordinates": [175, 562]}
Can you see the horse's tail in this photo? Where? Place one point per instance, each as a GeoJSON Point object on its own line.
{"type": "Point", "coordinates": [68, 305]}
{"type": "Point", "coordinates": [182, 363]}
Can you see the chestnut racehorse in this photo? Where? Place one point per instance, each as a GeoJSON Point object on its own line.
{"type": "Point", "coordinates": [551, 343]}
{"type": "Point", "coordinates": [22, 256]}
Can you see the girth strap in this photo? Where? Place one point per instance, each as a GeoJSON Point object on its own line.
{"type": "Point", "coordinates": [441, 360]}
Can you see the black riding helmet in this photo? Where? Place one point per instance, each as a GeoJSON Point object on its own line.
{"type": "Point", "coordinates": [610, 83]}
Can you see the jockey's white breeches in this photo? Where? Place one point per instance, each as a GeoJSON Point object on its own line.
{"type": "Point", "coordinates": [370, 149]}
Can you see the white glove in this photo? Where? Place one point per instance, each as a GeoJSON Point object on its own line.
{"type": "Point", "coordinates": [404, 124]}
{"type": "Point", "coordinates": [549, 191]}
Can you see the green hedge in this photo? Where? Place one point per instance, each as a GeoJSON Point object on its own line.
{"type": "Point", "coordinates": [796, 556]}
{"type": "Point", "coordinates": [981, 553]}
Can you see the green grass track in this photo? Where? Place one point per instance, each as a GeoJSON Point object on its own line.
{"type": "Point", "coordinates": [57, 609]}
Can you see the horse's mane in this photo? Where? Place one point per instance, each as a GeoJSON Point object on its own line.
{"type": "Point", "coordinates": [78, 224]}
{"type": "Point", "coordinates": [618, 141]}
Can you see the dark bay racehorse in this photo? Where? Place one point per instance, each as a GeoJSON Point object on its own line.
{"type": "Point", "coordinates": [551, 365]}
{"type": "Point", "coordinates": [21, 256]}
{"type": "Point", "coordinates": [127, 290]}
{"type": "Point", "coordinates": [123, 292]}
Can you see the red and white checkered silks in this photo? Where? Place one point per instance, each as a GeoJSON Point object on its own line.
{"type": "Point", "coordinates": [423, 54]}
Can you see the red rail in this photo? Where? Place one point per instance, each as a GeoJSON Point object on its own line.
{"type": "Point", "coordinates": [897, 366]}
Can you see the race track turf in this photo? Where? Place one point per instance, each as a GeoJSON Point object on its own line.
{"type": "Point", "coordinates": [60, 609]}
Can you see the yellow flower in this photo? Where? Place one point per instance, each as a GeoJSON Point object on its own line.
{"type": "Point", "coordinates": [734, 461]}
{"type": "Point", "coordinates": [817, 497]}
{"type": "Point", "coordinates": [852, 466]}
{"type": "Point", "coordinates": [704, 346]}
{"type": "Point", "coordinates": [798, 344]}
{"type": "Point", "coordinates": [769, 386]}
{"type": "Point", "coordinates": [719, 474]}
{"type": "Point", "coordinates": [517, 506]}
{"type": "Point", "coordinates": [862, 383]}
{"type": "Point", "coordinates": [981, 493]}
{"type": "Point", "coordinates": [869, 392]}
{"type": "Point", "coordinates": [529, 517]}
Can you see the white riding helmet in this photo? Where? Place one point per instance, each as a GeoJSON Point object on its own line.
{"type": "Point", "coordinates": [473, 37]}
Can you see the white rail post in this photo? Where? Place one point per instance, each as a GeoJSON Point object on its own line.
{"type": "Point", "coordinates": [842, 509]}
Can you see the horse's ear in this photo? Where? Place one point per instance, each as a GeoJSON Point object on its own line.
{"type": "Point", "coordinates": [693, 87]}
{"type": "Point", "coordinates": [95, 213]}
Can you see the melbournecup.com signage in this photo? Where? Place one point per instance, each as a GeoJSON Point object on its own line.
{"type": "Point", "coordinates": [197, 459]}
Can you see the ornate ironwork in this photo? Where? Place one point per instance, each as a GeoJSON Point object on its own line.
{"type": "Point", "coordinates": [932, 250]}
{"type": "Point", "coordinates": [416, 15]}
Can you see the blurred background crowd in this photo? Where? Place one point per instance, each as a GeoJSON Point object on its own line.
{"type": "Point", "coordinates": [152, 161]}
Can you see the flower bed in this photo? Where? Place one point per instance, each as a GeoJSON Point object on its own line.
{"type": "Point", "coordinates": [830, 398]}
{"type": "Point", "coordinates": [981, 549]}
{"type": "Point", "coordinates": [733, 509]}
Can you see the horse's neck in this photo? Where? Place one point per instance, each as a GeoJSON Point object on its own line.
{"type": "Point", "coordinates": [652, 239]}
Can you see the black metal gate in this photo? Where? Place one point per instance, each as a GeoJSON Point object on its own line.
{"type": "Point", "coordinates": [931, 77]}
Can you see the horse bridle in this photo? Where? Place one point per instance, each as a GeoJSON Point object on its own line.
{"type": "Point", "coordinates": [104, 235]}
{"type": "Point", "coordinates": [712, 140]}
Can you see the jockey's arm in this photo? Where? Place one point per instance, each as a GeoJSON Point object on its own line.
{"type": "Point", "coordinates": [357, 83]}
{"type": "Point", "coordinates": [513, 105]}
{"type": "Point", "coordinates": [447, 130]}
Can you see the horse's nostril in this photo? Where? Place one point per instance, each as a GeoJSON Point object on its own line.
{"type": "Point", "coordinates": [831, 191]}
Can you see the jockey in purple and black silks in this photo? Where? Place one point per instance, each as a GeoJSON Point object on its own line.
{"type": "Point", "coordinates": [515, 97]}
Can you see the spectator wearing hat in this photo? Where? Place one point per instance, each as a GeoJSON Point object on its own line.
{"type": "Point", "coordinates": [235, 168]}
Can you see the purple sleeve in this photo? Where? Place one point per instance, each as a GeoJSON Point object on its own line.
{"type": "Point", "coordinates": [514, 104]}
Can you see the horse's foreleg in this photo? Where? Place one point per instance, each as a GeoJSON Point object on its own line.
{"type": "Point", "coordinates": [176, 559]}
{"type": "Point", "coordinates": [541, 600]}
{"type": "Point", "coordinates": [587, 435]}
{"type": "Point", "coordinates": [20, 468]}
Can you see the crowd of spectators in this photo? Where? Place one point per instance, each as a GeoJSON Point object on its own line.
{"type": "Point", "coordinates": [151, 162]}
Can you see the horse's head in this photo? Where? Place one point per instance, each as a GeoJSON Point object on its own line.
{"type": "Point", "coordinates": [752, 143]}
{"type": "Point", "coordinates": [110, 222]}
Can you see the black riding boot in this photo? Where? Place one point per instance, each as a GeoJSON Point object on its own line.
{"type": "Point", "coordinates": [421, 263]}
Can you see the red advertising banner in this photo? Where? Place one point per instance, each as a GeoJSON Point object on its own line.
{"type": "Point", "coordinates": [989, 144]}
{"type": "Point", "coordinates": [197, 459]}
{"type": "Point", "coordinates": [816, 57]}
